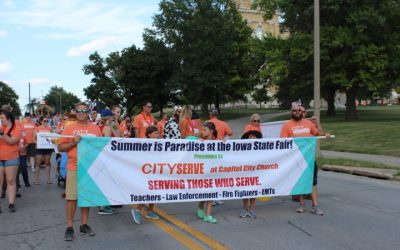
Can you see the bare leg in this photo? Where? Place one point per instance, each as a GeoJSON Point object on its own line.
{"type": "Point", "coordinates": [48, 168]}
{"type": "Point", "coordinates": [70, 209]}
{"type": "Point", "coordinates": [151, 208]}
{"type": "Point", "coordinates": [245, 204]}
{"type": "Point", "coordinates": [1, 180]}
{"type": "Point", "coordinates": [209, 206]}
{"type": "Point", "coordinates": [84, 215]}
{"type": "Point", "coordinates": [39, 159]}
{"type": "Point", "coordinates": [11, 175]}
{"type": "Point", "coordinates": [314, 196]}
{"type": "Point", "coordinates": [201, 205]}
{"type": "Point", "coordinates": [252, 202]}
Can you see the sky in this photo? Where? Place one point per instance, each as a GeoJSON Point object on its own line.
{"type": "Point", "coordinates": [47, 42]}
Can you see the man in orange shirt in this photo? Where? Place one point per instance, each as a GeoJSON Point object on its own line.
{"type": "Point", "coordinates": [299, 127]}
{"type": "Point", "coordinates": [222, 128]}
{"type": "Point", "coordinates": [81, 127]}
{"type": "Point", "coordinates": [161, 125]}
{"type": "Point", "coordinates": [27, 127]}
{"type": "Point", "coordinates": [143, 120]}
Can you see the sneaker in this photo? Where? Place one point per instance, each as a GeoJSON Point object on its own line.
{"type": "Point", "coordinates": [69, 234]}
{"type": "Point", "coordinates": [33, 169]}
{"type": "Point", "coordinates": [243, 213]}
{"type": "Point", "coordinates": [137, 217]}
{"type": "Point", "coordinates": [252, 214]}
{"type": "Point", "coordinates": [27, 185]}
{"type": "Point", "coordinates": [152, 215]}
{"type": "Point", "coordinates": [86, 230]}
{"type": "Point", "coordinates": [11, 208]}
{"type": "Point", "coordinates": [316, 210]}
{"type": "Point", "coordinates": [210, 219]}
{"type": "Point", "coordinates": [105, 211]}
{"type": "Point", "coordinates": [300, 209]}
{"type": "Point", "coordinates": [216, 203]}
{"type": "Point", "coordinates": [3, 195]}
{"type": "Point", "coordinates": [18, 195]}
{"type": "Point", "coordinates": [200, 213]}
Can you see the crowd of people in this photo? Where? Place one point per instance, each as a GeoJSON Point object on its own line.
{"type": "Point", "coordinates": [19, 152]}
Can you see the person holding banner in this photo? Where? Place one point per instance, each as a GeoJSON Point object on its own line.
{"type": "Point", "coordinates": [208, 132]}
{"type": "Point", "coordinates": [143, 120]}
{"type": "Point", "coordinates": [161, 125]}
{"type": "Point", "coordinates": [10, 135]}
{"type": "Point", "coordinates": [42, 153]}
{"type": "Point", "coordinates": [252, 134]}
{"type": "Point", "coordinates": [299, 127]}
{"type": "Point", "coordinates": [222, 128]}
{"type": "Point", "coordinates": [255, 122]}
{"type": "Point", "coordinates": [153, 133]}
{"type": "Point", "coordinates": [186, 126]}
{"type": "Point", "coordinates": [28, 127]}
{"type": "Point", "coordinates": [171, 128]}
{"type": "Point", "coordinates": [82, 127]}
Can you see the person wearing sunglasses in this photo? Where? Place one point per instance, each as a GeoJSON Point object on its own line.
{"type": "Point", "coordinates": [42, 154]}
{"type": "Point", "coordinates": [298, 126]}
{"type": "Point", "coordinates": [81, 127]}
{"type": "Point", "coordinates": [255, 124]}
{"type": "Point", "coordinates": [143, 120]}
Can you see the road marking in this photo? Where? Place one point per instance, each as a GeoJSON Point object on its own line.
{"type": "Point", "coordinates": [194, 232]}
{"type": "Point", "coordinates": [183, 239]}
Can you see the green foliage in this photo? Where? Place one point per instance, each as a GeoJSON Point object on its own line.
{"type": "Point", "coordinates": [8, 96]}
{"type": "Point", "coordinates": [359, 48]}
{"type": "Point", "coordinates": [211, 42]}
{"type": "Point", "coordinates": [57, 95]}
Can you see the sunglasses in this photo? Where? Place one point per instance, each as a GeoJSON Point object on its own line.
{"type": "Point", "coordinates": [150, 107]}
{"type": "Point", "coordinates": [82, 111]}
{"type": "Point", "coordinates": [45, 120]}
{"type": "Point", "coordinates": [256, 121]}
{"type": "Point", "coordinates": [296, 110]}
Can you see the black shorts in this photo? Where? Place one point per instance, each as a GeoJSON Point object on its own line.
{"type": "Point", "coordinates": [315, 178]}
{"type": "Point", "coordinates": [31, 149]}
{"type": "Point", "coordinates": [44, 151]}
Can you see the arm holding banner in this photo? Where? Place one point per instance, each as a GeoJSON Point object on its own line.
{"type": "Point", "coordinates": [65, 147]}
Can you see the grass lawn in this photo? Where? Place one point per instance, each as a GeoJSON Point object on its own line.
{"type": "Point", "coordinates": [352, 163]}
{"type": "Point", "coordinates": [229, 114]}
{"type": "Point", "coordinates": [376, 132]}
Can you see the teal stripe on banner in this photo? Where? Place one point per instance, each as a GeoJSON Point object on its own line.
{"type": "Point", "coordinates": [89, 194]}
{"type": "Point", "coordinates": [306, 146]}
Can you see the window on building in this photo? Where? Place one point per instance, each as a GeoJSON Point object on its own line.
{"type": "Point", "coordinates": [259, 32]}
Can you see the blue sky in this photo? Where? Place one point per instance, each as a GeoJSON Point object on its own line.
{"type": "Point", "coordinates": [47, 42]}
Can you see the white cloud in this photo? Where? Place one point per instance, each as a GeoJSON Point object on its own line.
{"type": "Point", "coordinates": [38, 81]}
{"type": "Point", "coordinates": [3, 34]}
{"type": "Point", "coordinates": [5, 67]}
{"type": "Point", "coordinates": [85, 20]}
{"type": "Point", "coordinates": [92, 46]}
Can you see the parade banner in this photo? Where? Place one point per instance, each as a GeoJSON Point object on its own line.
{"type": "Point", "coordinates": [114, 171]}
{"type": "Point", "coordinates": [272, 129]}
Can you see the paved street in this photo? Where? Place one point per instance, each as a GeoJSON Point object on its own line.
{"type": "Point", "coordinates": [361, 213]}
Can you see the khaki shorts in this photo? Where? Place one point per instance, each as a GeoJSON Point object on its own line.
{"type": "Point", "coordinates": [70, 189]}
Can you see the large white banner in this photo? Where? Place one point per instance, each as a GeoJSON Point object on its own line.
{"type": "Point", "coordinates": [129, 171]}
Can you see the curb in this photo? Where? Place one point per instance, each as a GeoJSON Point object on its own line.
{"type": "Point", "coordinates": [373, 173]}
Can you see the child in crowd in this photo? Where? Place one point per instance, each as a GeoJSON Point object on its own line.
{"type": "Point", "coordinates": [152, 133]}
{"type": "Point", "coordinates": [208, 132]}
{"type": "Point", "coordinates": [252, 134]}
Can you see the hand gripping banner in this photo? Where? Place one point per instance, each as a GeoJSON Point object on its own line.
{"type": "Point", "coordinates": [114, 171]}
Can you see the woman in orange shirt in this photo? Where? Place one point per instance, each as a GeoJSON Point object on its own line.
{"type": "Point", "coordinates": [254, 124]}
{"type": "Point", "coordinates": [186, 126]}
{"type": "Point", "coordinates": [10, 135]}
{"type": "Point", "coordinates": [42, 153]}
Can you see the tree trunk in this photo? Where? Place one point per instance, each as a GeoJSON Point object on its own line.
{"type": "Point", "coordinates": [161, 110]}
{"type": "Point", "coordinates": [351, 109]}
{"type": "Point", "coordinates": [331, 103]}
{"type": "Point", "coordinates": [217, 102]}
{"type": "Point", "coordinates": [204, 111]}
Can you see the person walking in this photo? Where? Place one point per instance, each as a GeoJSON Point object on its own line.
{"type": "Point", "coordinates": [10, 136]}
{"type": "Point", "coordinates": [42, 154]}
{"type": "Point", "coordinates": [143, 120]}
{"type": "Point", "coordinates": [255, 124]}
{"type": "Point", "coordinates": [82, 126]}
{"type": "Point", "coordinates": [171, 128]}
{"type": "Point", "coordinates": [222, 128]}
{"type": "Point", "coordinates": [28, 128]}
{"type": "Point", "coordinates": [186, 126]}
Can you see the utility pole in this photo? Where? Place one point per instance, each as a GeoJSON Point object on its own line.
{"type": "Point", "coordinates": [317, 101]}
{"type": "Point", "coordinates": [29, 104]}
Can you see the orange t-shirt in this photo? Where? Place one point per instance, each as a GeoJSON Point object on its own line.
{"type": "Point", "coordinates": [250, 127]}
{"type": "Point", "coordinates": [27, 130]}
{"type": "Point", "coordinates": [22, 148]}
{"type": "Point", "coordinates": [160, 126]}
{"type": "Point", "coordinates": [222, 128]}
{"type": "Point", "coordinates": [186, 127]}
{"type": "Point", "coordinates": [77, 129]}
{"type": "Point", "coordinates": [10, 152]}
{"type": "Point", "coordinates": [141, 122]}
{"type": "Point", "coordinates": [302, 128]}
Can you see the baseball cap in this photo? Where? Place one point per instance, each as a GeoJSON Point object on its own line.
{"type": "Point", "coordinates": [6, 107]}
{"type": "Point", "coordinates": [214, 112]}
{"type": "Point", "coordinates": [106, 112]}
{"type": "Point", "coordinates": [177, 107]}
{"type": "Point", "coordinates": [27, 114]}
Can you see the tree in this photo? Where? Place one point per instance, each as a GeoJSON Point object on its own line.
{"type": "Point", "coordinates": [211, 42]}
{"type": "Point", "coordinates": [8, 96]}
{"type": "Point", "coordinates": [58, 96]}
{"type": "Point", "coordinates": [260, 94]}
{"type": "Point", "coordinates": [359, 52]}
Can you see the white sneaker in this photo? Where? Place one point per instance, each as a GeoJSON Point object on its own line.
{"type": "Point", "coordinates": [33, 169]}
